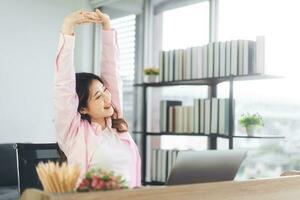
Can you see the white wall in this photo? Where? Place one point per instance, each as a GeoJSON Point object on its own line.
{"type": "Point", "coordinates": [28, 41]}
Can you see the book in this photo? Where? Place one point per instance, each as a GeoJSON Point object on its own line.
{"type": "Point", "coordinates": [177, 118]}
{"type": "Point", "coordinates": [251, 57]}
{"type": "Point", "coordinates": [159, 165]}
{"type": "Point", "coordinates": [154, 165]}
{"type": "Point", "coordinates": [181, 64]}
{"type": "Point", "coordinates": [228, 58]}
{"type": "Point", "coordinates": [216, 70]}
{"type": "Point", "coordinates": [240, 57]}
{"type": "Point", "coordinates": [204, 61]}
{"type": "Point", "coordinates": [170, 162]}
{"type": "Point", "coordinates": [163, 168]}
{"type": "Point", "coordinates": [224, 116]}
{"type": "Point", "coordinates": [196, 116]}
{"type": "Point", "coordinates": [171, 127]}
{"type": "Point", "coordinates": [161, 66]}
{"type": "Point", "coordinates": [222, 56]}
{"type": "Point", "coordinates": [202, 115]}
{"type": "Point", "coordinates": [166, 66]}
{"type": "Point", "coordinates": [214, 115]}
{"type": "Point", "coordinates": [260, 55]}
{"type": "Point", "coordinates": [188, 63]}
{"type": "Point", "coordinates": [190, 120]}
{"type": "Point", "coordinates": [245, 57]}
{"type": "Point", "coordinates": [185, 119]}
{"type": "Point", "coordinates": [197, 62]}
{"type": "Point", "coordinates": [234, 57]}
{"type": "Point", "coordinates": [207, 118]}
{"type": "Point", "coordinates": [171, 66]}
{"type": "Point", "coordinates": [210, 62]}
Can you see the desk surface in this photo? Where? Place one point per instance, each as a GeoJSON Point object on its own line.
{"type": "Point", "coordinates": [263, 189]}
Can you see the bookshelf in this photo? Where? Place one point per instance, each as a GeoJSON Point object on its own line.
{"type": "Point", "coordinates": [212, 138]}
{"type": "Point", "coordinates": [207, 65]}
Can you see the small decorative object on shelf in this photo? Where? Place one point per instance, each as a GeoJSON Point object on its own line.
{"type": "Point", "coordinates": [151, 74]}
{"type": "Point", "coordinates": [101, 180]}
{"type": "Point", "coordinates": [251, 122]}
{"type": "Point", "coordinates": [58, 178]}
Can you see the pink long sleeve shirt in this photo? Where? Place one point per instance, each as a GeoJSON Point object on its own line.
{"type": "Point", "coordinates": [76, 137]}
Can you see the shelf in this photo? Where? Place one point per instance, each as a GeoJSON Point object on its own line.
{"type": "Point", "coordinates": [260, 136]}
{"type": "Point", "coordinates": [210, 135]}
{"type": "Point", "coordinates": [180, 134]}
{"type": "Point", "coordinates": [209, 81]}
{"type": "Point", "coordinates": [154, 183]}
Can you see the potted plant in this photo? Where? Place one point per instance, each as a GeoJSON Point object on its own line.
{"type": "Point", "coordinates": [151, 74]}
{"type": "Point", "coordinates": [251, 122]}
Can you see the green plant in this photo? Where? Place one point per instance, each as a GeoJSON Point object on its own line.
{"type": "Point", "coordinates": [151, 71]}
{"type": "Point", "coordinates": [247, 120]}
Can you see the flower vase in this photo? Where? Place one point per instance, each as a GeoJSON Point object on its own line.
{"type": "Point", "coordinates": [151, 78]}
{"type": "Point", "coordinates": [250, 130]}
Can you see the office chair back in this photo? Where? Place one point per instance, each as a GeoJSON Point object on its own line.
{"type": "Point", "coordinates": [28, 156]}
{"type": "Point", "coordinates": [8, 165]}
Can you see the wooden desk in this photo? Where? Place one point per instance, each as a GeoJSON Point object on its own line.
{"type": "Point", "coordinates": [285, 188]}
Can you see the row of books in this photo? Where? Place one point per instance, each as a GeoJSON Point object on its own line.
{"type": "Point", "coordinates": [217, 59]}
{"type": "Point", "coordinates": [206, 116]}
{"type": "Point", "coordinates": [162, 162]}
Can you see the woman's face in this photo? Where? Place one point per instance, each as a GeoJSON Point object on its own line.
{"type": "Point", "coordinates": [99, 102]}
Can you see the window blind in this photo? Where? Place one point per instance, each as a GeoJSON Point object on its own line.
{"type": "Point", "coordinates": [126, 30]}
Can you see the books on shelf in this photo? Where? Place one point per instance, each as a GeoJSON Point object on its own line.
{"type": "Point", "coordinates": [166, 115]}
{"type": "Point", "coordinates": [216, 59]}
{"type": "Point", "coordinates": [162, 162]}
{"type": "Point", "coordinates": [206, 116]}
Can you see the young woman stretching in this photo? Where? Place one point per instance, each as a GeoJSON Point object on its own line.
{"type": "Point", "coordinates": [88, 109]}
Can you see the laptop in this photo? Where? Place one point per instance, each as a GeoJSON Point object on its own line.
{"type": "Point", "coordinates": [205, 166]}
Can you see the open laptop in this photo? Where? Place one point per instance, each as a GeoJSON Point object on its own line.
{"type": "Point", "coordinates": [205, 166]}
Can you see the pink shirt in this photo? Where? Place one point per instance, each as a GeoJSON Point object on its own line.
{"type": "Point", "coordinates": [78, 138]}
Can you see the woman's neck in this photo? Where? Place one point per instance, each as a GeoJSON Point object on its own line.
{"type": "Point", "coordinates": [102, 123]}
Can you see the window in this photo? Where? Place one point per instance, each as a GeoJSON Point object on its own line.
{"type": "Point", "coordinates": [125, 27]}
{"type": "Point", "coordinates": [276, 100]}
{"type": "Point", "coordinates": [182, 28]}
{"type": "Point", "coordinates": [186, 26]}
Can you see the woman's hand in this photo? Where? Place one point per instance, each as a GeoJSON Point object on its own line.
{"type": "Point", "coordinates": [78, 18]}
{"type": "Point", "coordinates": [105, 21]}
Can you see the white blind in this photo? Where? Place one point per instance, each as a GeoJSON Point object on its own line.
{"type": "Point", "coordinates": [125, 27]}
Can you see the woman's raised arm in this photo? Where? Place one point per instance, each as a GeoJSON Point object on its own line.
{"type": "Point", "coordinates": [110, 63]}
{"type": "Point", "coordinates": [67, 119]}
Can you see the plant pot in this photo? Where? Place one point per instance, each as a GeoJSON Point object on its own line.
{"type": "Point", "coordinates": [250, 130]}
{"type": "Point", "coordinates": [151, 78]}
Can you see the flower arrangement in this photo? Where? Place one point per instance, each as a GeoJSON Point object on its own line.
{"type": "Point", "coordinates": [98, 179]}
{"type": "Point", "coordinates": [151, 71]}
{"type": "Point", "coordinates": [250, 120]}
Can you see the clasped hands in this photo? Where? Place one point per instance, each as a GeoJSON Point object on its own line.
{"type": "Point", "coordinates": [83, 17]}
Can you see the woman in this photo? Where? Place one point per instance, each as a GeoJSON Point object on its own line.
{"type": "Point", "coordinates": [88, 112]}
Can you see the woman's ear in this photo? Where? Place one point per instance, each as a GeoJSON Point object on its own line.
{"type": "Point", "coordinates": [83, 111]}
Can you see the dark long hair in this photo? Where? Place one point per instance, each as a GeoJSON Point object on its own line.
{"type": "Point", "coordinates": [83, 82]}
